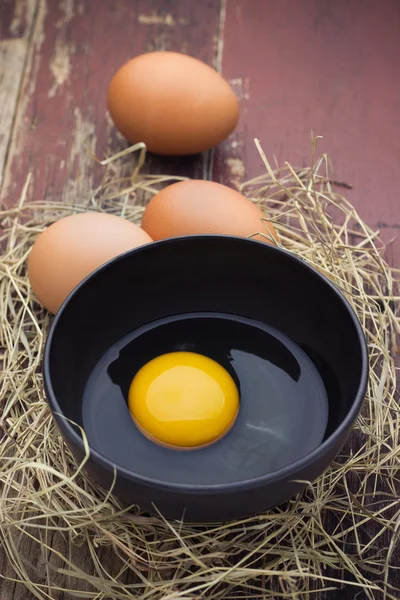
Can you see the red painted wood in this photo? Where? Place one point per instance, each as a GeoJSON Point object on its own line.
{"type": "Point", "coordinates": [331, 66]}
{"type": "Point", "coordinates": [16, 18]}
{"type": "Point", "coordinates": [77, 47]}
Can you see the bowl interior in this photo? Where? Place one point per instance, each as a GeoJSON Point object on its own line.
{"type": "Point", "coordinates": [205, 274]}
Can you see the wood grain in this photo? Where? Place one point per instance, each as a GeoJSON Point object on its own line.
{"type": "Point", "coordinates": [76, 48]}
{"type": "Point", "coordinates": [332, 67]}
{"type": "Point", "coordinates": [12, 58]}
{"type": "Point", "coordinates": [16, 20]}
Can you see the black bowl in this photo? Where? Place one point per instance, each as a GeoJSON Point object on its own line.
{"type": "Point", "coordinates": [218, 274]}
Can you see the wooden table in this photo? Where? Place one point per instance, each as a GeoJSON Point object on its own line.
{"type": "Point", "coordinates": [331, 66]}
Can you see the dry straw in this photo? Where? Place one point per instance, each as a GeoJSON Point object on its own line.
{"type": "Point", "coordinates": [64, 538]}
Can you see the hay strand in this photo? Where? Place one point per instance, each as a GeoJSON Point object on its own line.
{"type": "Point", "coordinates": [342, 533]}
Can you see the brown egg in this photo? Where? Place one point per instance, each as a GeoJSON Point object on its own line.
{"type": "Point", "coordinates": [70, 249]}
{"type": "Point", "coordinates": [172, 102]}
{"type": "Point", "coordinates": [196, 207]}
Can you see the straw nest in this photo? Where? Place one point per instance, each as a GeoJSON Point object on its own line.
{"type": "Point", "coordinates": [65, 538]}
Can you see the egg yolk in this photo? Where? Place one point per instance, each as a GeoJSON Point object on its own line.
{"type": "Point", "coordinates": [183, 400]}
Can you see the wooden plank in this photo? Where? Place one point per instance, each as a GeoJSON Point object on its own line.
{"type": "Point", "coordinates": [331, 66]}
{"type": "Point", "coordinates": [12, 58]}
{"type": "Point", "coordinates": [77, 47]}
{"type": "Point", "coordinates": [16, 20]}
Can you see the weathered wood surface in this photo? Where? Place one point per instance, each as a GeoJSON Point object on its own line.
{"type": "Point", "coordinates": [332, 66]}
{"type": "Point", "coordinates": [16, 21]}
{"type": "Point", "coordinates": [75, 49]}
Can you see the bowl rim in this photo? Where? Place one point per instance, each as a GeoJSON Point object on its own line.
{"type": "Point", "coordinates": [312, 457]}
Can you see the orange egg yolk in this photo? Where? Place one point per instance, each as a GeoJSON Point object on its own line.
{"type": "Point", "coordinates": [183, 400]}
